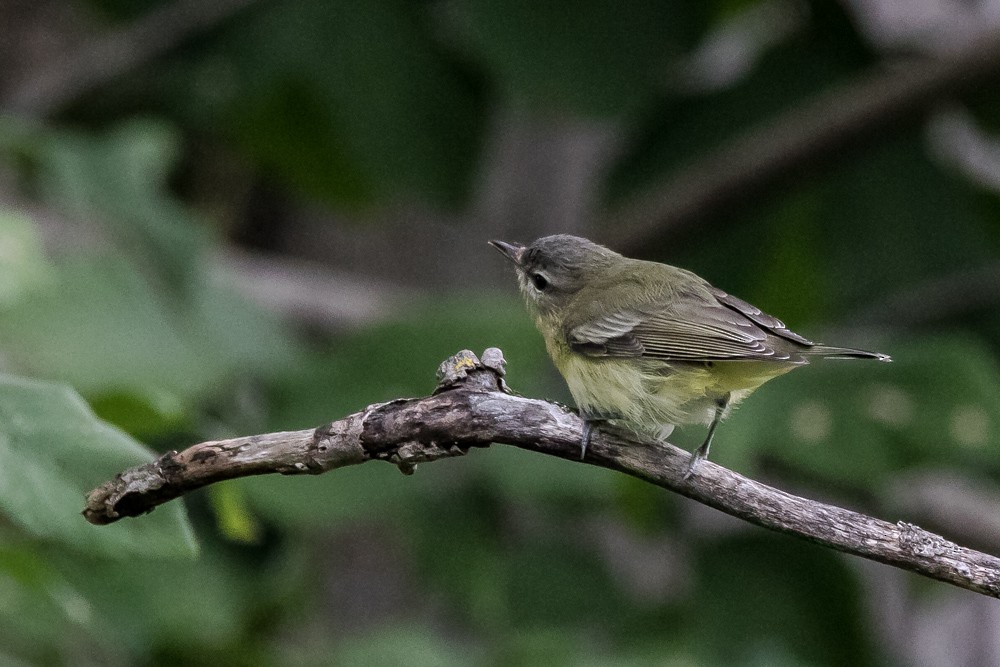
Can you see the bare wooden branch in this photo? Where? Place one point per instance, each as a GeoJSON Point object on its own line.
{"type": "Point", "coordinates": [472, 407]}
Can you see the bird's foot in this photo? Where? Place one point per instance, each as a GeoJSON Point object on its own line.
{"type": "Point", "coordinates": [697, 457]}
{"type": "Point", "coordinates": [591, 421]}
{"type": "Point", "coordinates": [588, 429]}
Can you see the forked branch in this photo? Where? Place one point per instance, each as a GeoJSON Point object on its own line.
{"type": "Point", "coordinates": [472, 407]}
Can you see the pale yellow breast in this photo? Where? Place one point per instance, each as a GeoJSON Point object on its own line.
{"type": "Point", "coordinates": [649, 394]}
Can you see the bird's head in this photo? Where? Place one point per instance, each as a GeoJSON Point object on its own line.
{"type": "Point", "coordinates": [551, 270]}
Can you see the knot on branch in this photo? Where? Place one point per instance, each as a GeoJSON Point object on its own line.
{"type": "Point", "coordinates": [407, 455]}
{"type": "Point", "coordinates": [406, 432]}
{"type": "Point", "coordinates": [467, 370]}
{"type": "Point", "coordinates": [920, 542]}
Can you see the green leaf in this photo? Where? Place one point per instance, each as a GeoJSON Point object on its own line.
{"type": "Point", "coordinates": [23, 266]}
{"type": "Point", "coordinates": [52, 452]}
{"type": "Point", "coordinates": [118, 179]}
{"type": "Point", "coordinates": [143, 328]}
{"type": "Point", "coordinates": [34, 611]}
{"type": "Point", "coordinates": [146, 413]}
{"type": "Point", "coordinates": [102, 328]}
{"type": "Point", "coordinates": [234, 518]}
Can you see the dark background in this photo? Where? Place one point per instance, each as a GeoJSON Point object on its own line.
{"type": "Point", "coordinates": [226, 218]}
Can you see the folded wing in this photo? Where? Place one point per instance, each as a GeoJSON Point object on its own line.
{"type": "Point", "coordinates": [690, 327]}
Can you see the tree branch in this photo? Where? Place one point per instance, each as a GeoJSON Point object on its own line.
{"type": "Point", "coordinates": [472, 407]}
{"type": "Point", "coordinates": [309, 292]}
{"type": "Point", "coordinates": [809, 133]}
{"type": "Point", "coordinates": [121, 50]}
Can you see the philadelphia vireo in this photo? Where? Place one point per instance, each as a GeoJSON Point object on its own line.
{"type": "Point", "coordinates": [647, 346]}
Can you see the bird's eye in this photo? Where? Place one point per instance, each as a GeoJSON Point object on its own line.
{"type": "Point", "coordinates": [539, 281]}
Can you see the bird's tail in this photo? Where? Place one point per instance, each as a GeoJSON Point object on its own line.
{"type": "Point", "coordinates": [830, 352]}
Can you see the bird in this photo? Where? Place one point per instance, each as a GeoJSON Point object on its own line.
{"type": "Point", "coordinates": [646, 346]}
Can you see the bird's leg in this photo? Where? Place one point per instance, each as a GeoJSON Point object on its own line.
{"type": "Point", "coordinates": [590, 422]}
{"type": "Point", "coordinates": [588, 428]}
{"type": "Point", "coordinates": [701, 453]}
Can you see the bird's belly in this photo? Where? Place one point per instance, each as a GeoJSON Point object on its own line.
{"type": "Point", "coordinates": [647, 395]}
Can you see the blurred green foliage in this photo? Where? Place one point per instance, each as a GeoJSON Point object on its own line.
{"type": "Point", "coordinates": [501, 557]}
{"type": "Point", "coordinates": [52, 451]}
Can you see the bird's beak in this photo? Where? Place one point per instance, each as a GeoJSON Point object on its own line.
{"type": "Point", "coordinates": [512, 251]}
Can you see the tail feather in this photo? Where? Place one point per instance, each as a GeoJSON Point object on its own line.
{"type": "Point", "coordinates": [830, 352]}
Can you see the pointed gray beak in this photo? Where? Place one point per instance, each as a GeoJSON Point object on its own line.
{"type": "Point", "coordinates": [512, 251]}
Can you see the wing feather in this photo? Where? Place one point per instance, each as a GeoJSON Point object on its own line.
{"type": "Point", "coordinates": [755, 314]}
{"type": "Point", "coordinates": [689, 327]}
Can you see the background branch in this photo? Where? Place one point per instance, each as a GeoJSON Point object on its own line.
{"type": "Point", "coordinates": [309, 292]}
{"type": "Point", "coordinates": [472, 407]}
{"type": "Point", "coordinates": [804, 135]}
{"type": "Point", "coordinates": [108, 56]}
{"type": "Point", "coordinates": [936, 299]}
